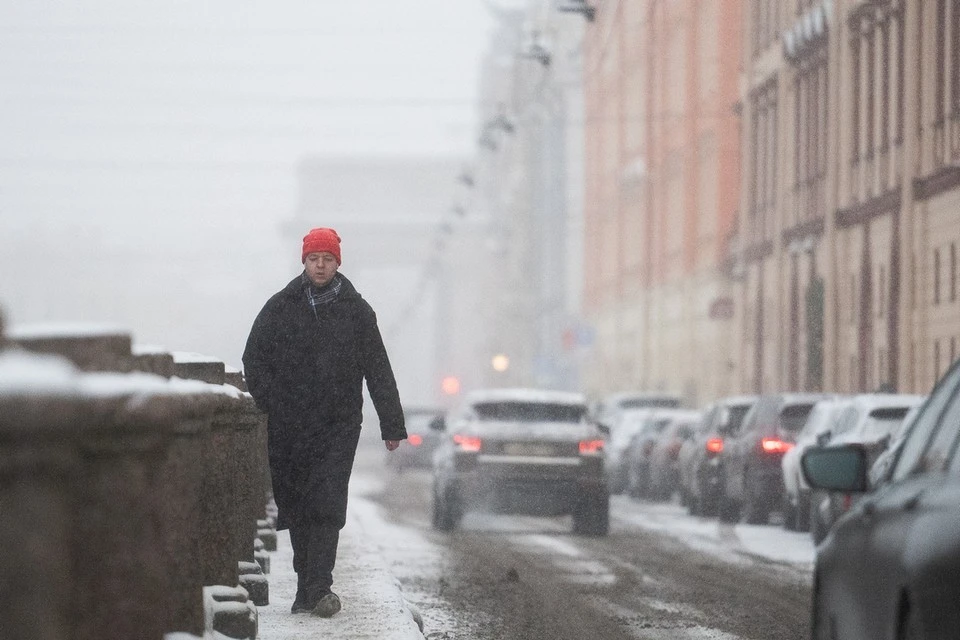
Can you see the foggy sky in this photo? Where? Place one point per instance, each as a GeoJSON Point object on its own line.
{"type": "Point", "coordinates": [147, 150]}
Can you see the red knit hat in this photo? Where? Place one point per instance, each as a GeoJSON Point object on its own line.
{"type": "Point", "coordinates": [321, 239]}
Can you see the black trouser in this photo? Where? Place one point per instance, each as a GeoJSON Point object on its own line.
{"type": "Point", "coordinates": [324, 477]}
{"type": "Point", "coordinates": [314, 555]}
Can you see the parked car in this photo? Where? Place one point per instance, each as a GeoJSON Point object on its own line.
{"type": "Point", "coordinates": [423, 434]}
{"type": "Point", "coordinates": [890, 566]}
{"type": "Point", "coordinates": [523, 451]}
{"type": "Point", "coordinates": [699, 458]}
{"type": "Point", "coordinates": [624, 426]}
{"type": "Point", "coordinates": [816, 430]}
{"type": "Point", "coordinates": [870, 420]}
{"type": "Point", "coordinates": [605, 411]}
{"type": "Point", "coordinates": [636, 457]}
{"type": "Point", "coordinates": [664, 475]}
{"type": "Point", "coordinates": [752, 474]}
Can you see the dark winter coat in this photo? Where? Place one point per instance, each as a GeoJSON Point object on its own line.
{"type": "Point", "coordinates": [306, 372]}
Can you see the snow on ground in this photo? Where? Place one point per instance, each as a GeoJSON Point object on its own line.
{"type": "Point", "coordinates": [373, 606]}
{"type": "Point", "coordinates": [739, 542]}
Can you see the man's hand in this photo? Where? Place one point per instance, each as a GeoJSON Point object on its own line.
{"type": "Point", "coordinates": [391, 444]}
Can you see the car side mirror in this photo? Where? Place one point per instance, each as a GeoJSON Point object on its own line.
{"type": "Point", "coordinates": [836, 468]}
{"type": "Point", "coordinates": [438, 424]}
{"type": "Point", "coordinates": [823, 438]}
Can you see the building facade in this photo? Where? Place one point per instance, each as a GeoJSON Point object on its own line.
{"type": "Point", "coordinates": [849, 219]}
{"type": "Point", "coordinates": [662, 190]}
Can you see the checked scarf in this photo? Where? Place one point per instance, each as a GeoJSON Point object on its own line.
{"type": "Point", "coordinates": [321, 295]}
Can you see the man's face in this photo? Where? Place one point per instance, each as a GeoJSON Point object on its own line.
{"type": "Point", "coordinates": [321, 267]}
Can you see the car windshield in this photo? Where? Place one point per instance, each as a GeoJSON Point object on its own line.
{"type": "Point", "coordinates": [529, 411]}
{"type": "Point", "coordinates": [793, 416]}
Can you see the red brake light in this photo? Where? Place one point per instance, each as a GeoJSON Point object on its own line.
{"type": "Point", "coordinates": [591, 447]}
{"type": "Point", "coordinates": [715, 445]}
{"type": "Point", "coordinates": [775, 445]}
{"type": "Point", "coordinates": [415, 439]}
{"type": "Point", "coordinates": [467, 443]}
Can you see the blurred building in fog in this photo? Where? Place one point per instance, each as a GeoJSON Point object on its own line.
{"type": "Point", "coordinates": [529, 172]}
{"type": "Point", "coordinates": [662, 185]}
{"type": "Point", "coordinates": [850, 211]}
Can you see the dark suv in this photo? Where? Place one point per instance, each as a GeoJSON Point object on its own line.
{"type": "Point", "coordinates": [753, 476]}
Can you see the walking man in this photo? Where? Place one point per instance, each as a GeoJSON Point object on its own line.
{"type": "Point", "coordinates": [308, 353]}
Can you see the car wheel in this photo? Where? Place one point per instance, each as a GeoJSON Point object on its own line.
{"type": "Point", "coordinates": [591, 515]}
{"type": "Point", "coordinates": [818, 530]}
{"type": "Point", "coordinates": [694, 506]}
{"type": "Point", "coordinates": [754, 511]}
{"type": "Point", "coordinates": [803, 511]}
{"type": "Point", "coordinates": [444, 515]}
{"type": "Point", "coordinates": [789, 514]}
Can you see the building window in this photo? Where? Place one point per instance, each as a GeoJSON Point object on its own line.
{"type": "Point", "coordinates": [881, 291]}
{"type": "Point", "coordinates": [953, 272]}
{"type": "Point", "coordinates": [764, 148]}
{"type": "Point", "coordinates": [936, 359]}
{"type": "Point", "coordinates": [810, 129]}
{"type": "Point", "coordinates": [853, 299]}
{"type": "Point", "coordinates": [936, 276]}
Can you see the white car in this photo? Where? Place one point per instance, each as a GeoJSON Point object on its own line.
{"type": "Point", "coordinates": [869, 421]}
{"type": "Point", "coordinates": [796, 491]}
{"type": "Point", "coordinates": [627, 423]}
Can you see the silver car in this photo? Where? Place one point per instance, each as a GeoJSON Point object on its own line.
{"type": "Point", "coordinates": [521, 451]}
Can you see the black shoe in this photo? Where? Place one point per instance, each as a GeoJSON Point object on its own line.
{"type": "Point", "coordinates": [327, 605]}
{"type": "Point", "coordinates": [301, 605]}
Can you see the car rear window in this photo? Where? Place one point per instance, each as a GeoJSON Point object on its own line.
{"type": "Point", "coordinates": [529, 411]}
{"type": "Point", "coordinates": [794, 416]}
{"type": "Point", "coordinates": [883, 422]}
{"type": "Point", "coordinates": [737, 414]}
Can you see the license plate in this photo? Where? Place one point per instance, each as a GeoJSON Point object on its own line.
{"type": "Point", "coordinates": [528, 449]}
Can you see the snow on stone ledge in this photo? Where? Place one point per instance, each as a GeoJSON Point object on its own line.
{"type": "Point", "coordinates": [183, 357]}
{"type": "Point", "coordinates": [47, 330]}
{"type": "Point", "coordinates": [148, 350]}
{"type": "Point", "coordinates": [23, 373]}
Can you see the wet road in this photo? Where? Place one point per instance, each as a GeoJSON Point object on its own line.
{"type": "Point", "coordinates": [504, 577]}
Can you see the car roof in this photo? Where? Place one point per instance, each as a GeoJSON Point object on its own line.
{"type": "Point", "coordinates": [869, 401]}
{"type": "Point", "coordinates": [737, 400]}
{"type": "Point", "coordinates": [523, 394]}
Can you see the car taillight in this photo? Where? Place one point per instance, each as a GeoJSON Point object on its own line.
{"type": "Point", "coordinates": [775, 445]}
{"type": "Point", "coordinates": [591, 447]}
{"type": "Point", "coordinates": [415, 439]}
{"type": "Point", "coordinates": [715, 445]}
{"type": "Point", "coordinates": [467, 443]}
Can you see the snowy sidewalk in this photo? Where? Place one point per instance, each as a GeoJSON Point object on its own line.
{"type": "Point", "coordinates": [373, 605]}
